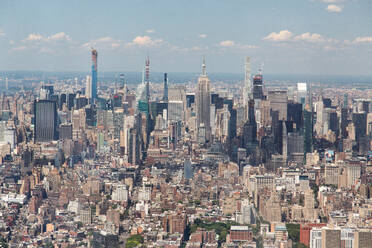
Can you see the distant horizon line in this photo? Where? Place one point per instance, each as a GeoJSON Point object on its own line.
{"type": "Point", "coordinates": [179, 72]}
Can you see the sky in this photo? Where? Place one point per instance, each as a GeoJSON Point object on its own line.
{"type": "Point", "coordinates": [320, 37]}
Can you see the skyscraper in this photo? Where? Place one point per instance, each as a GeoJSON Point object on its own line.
{"type": "Point", "coordinates": [165, 94]}
{"type": "Point", "coordinates": [45, 120]}
{"type": "Point", "coordinates": [247, 93]}
{"type": "Point", "coordinates": [88, 87]}
{"type": "Point", "coordinates": [94, 75]}
{"type": "Point", "coordinates": [258, 87]}
{"type": "Point", "coordinates": [147, 80]}
{"type": "Point", "coordinates": [203, 102]}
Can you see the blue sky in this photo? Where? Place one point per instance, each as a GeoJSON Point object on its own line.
{"type": "Point", "coordinates": [288, 36]}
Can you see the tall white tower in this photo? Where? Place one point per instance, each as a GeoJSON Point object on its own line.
{"type": "Point", "coordinates": [6, 83]}
{"type": "Point", "coordinates": [88, 87]}
{"type": "Point", "coordinates": [247, 91]}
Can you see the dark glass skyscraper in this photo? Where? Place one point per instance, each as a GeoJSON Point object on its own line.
{"type": "Point", "coordinates": [45, 120]}
{"type": "Point", "coordinates": [258, 87]}
{"type": "Point", "coordinates": [94, 74]}
{"type": "Point", "coordinates": [308, 132]}
{"type": "Point", "coordinates": [165, 94]}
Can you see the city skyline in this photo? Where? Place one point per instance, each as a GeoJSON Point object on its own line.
{"type": "Point", "coordinates": [322, 37]}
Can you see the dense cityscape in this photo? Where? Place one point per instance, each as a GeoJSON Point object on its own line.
{"type": "Point", "coordinates": [186, 124]}
{"type": "Point", "coordinates": [86, 163]}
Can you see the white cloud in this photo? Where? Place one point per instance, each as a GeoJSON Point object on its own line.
{"type": "Point", "coordinates": [34, 37]}
{"type": "Point", "coordinates": [309, 37]}
{"type": "Point", "coordinates": [145, 41]}
{"type": "Point", "coordinates": [150, 31]}
{"type": "Point", "coordinates": [334, 8]}
{"type": "Point", "coordinates": [11, 42]}
{"type": "Point", "coordinates": [203, 36]}
{"type": "Point", "coordinates": [367, 39]}
{"type": "Point", "coordinates": [284, 35]}
{"type": "Point", "coordinates": [233, 44]}
{"type": "Point", "coordinates": [1, 32]}
{"type": "Point", "coordinates": [59, 36]}
{"type": "Point", "coordinates": [227, 43]}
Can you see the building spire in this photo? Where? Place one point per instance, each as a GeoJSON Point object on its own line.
{"type": "Point", "coordinates": [204, 69]}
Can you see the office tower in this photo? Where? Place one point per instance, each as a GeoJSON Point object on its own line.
{"type": "Point", "coordinates": [147, 69]}
{"type": "Point", "coordinates": [70, 101]}
{"type": "Point", "coordinates": [247, 91]}
{"type": "Point", "coordinates": [294, 114]}
{"type": "Point", "coordinates": [65, 131]}
{"type": "Point", "coordinates": [360, 124]}
{"type": "Point", "coordinates": [76, 124]}
{"type": "Point", "coordinates": [62, 100]}
{"type": "Point", "coordinates": [284, 141]}
{"type": "Point", "coordinates": [331, 238]}
{"type": "Point", "coordinates": [308, 130]}
{"type": "Point", "coordinates": [165, 94]}
{"type": "Point", "coordinates": [295, 146]}
{"type": "Point", "coordinates": [94, 75]}
{"type": "Point", "coordinates": [91, 119]}
{"type": "Point", "coordinates": [203, 102]}
{"type": "Point", "coordinates": [301, 93]}
{"type": "Point", "coordinates": [333, 122]}
{"type": "Point", "coordinates": [45, 120]}
{"type": "Point", "coordinates": [258, 87]}
{"type": "Point", "coordinates": [344, 122]}
{"type": "Point", "coordinates": [278, 102]}
{"type": "Point", "coordinates": [118, 122]}
{"type": "Point", "coordinates": [88, 87]}
{"type": "Point", "coordinates": [81, 102]}
{"type": "Point", "coordinates": [346, 101]}
{"type": "Point", "coordinates": [250, 128]}
{"type": "Point", "coordinates": [175, 110]}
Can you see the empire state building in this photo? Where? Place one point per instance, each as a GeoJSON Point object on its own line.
{"type": "Point", "coordinates": [203, 106]}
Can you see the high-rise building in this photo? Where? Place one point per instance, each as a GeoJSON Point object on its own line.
{"type": "Point", "coordinates": [88, 87]}
{"type": "Point", "coordinates": [258, 87]}
{"type": "Point", "coordinates": [344, 122]}
{"type": "Point", "coordinates": [308, 126]}
{"type": "Point", "coordinates": [247, 86]}
{"type": "Point", "coordinates": [65, 131]}
{"type": "Point", "coordinates": [165, 94]}
{"type": "Point", "coordinates": [203, 102]}
{"type": "Point", "coordinates": [360, 124]}
{"type": "Point", "coordinates": [45, 120]}
{"type": "Point", "coordinates": [94, 75]}
{"type": "Point", "coordinates": [279, 102]}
